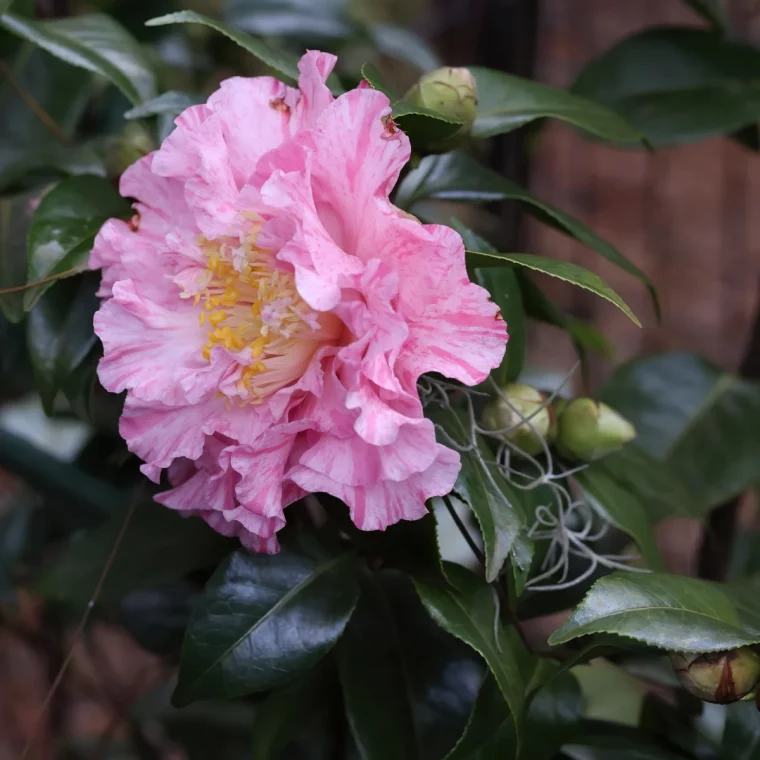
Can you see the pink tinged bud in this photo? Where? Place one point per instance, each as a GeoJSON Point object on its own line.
{"type": "Point", "coordinates": [452, 92]}
{"type": "Point", "coordinates": [720, 677]}
{"type": "Point", "coordinates": [523, 416]}
{"type": "Point", "coordinates": [589, 430]}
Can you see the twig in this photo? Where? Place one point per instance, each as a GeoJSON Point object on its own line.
{"type": "Point", "coordinates": [82, 623]}
{"type": "Point", "coordinates": [463, 530]}
{"type": "Point", "coordinates": [30, 101]}
{"type": "Point", "coordinates": [29, 285]}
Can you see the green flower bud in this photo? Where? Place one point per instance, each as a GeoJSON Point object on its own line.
{"type": "Point", "coordinates": [503, 414]}
{"type": "Point", "coordinates": [452, 92]}
{"type": "Point", "coordinates": [721, 677]}
{"type": "Point", "coordinates": [589, 430]}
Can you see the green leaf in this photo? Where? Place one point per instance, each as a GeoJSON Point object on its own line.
{"type": "Point", "coordinates": [713, 12]}
{"type": "Point", "coordinates": [76, 497]}
{"type": "Point", "coordinates": [506, 102]}
{"type": "Point", "coordinates": [667, 611]}
{"type": "Point", "coordinates": [564, 270]}
{"type": "Point", "coordinates": [423, 126]}
{"type": "Point", "coordinates": [741, 736]}
{"type": "Point", "coordinates": [711, 86]}
{"type": "Point", "coordinates": [96, 43]}
{"type": "Point", "coordinates": [29, 150]}
{"type": "Point", "coordinates": [621, 508]}
{"type": "Point", "coordinates": [458, 177]}
{"type": "Point", "coordinates": [302, 19]}
{"type": "Point", "coordinates": [403, 45]}
{"type": "Point", "coordinates": [15, 214]}
{"type": "Point", "coordinates": [538, 306]}
{"type": "Point", "coordinates": [496, 504]}
{"type": "Point", "coordinates": [505, 291]}
{"type": "Point", "coordinates": [159, 546]}
{"type": "Point", "coordinates": [650, 481]}
{"type": "Point", "coordinates": [64, 226]}
{"type": "Point", "coordinates": [399, 669]}
{"type": "Point", "coordinates": [170, 103]}
{"type": "Point", "coordinates": [469, 610]}
{"type": "Point", "coordinates": [60, 335]}
{"type": "Point", "coordinates": [283, 62]}
{"type": "Point", "coordinates": [263, 621]}
{"type": "Point", "coordinates": [701, 422]}
{"type": "Point", "coordinates": [286, 712]}
{"type": "Point", "coordinates": [551, 721]}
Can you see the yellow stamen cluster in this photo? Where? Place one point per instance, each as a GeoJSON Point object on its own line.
{"type": "Point", "coordinates": [248, 305]}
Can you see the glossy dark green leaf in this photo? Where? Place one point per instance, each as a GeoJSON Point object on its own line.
{"type": "Point", "coordinates": [713, 12]}
{"type": "Point", "coordinates": [156, 618]}
{"type": "Point", "coordinates": [496, 504]}
{"type": "Point", "coordinates": [424, 127]}
{"type": "Point", "coordinates": [287, 712]}
{"type": "Point", "coordinates": [159, 546]}
{"type": "Point", "coordinates": [563, 270]}
{"type": "Point", "coordinates": [538, 306]}
{"type": "Point", "coordinates": [710, 86]}
{"type": "Point", "coordinates": [551, 721]}
{"type": "Point", "coordinates": [283, 62]}
{"type": "Point", "coordinates": [30, 151]}
{"type": "Point", "coordinates": [77, 497]}
{"type": "Point", "coordinates": [263, 621]}
{"type": "Point", "coordinates": [15, 214]}
{"type": "Point", "coordinates": [399, 669]}
{"type": "Point", "coordinates": [302, 19]}
{"type": "Point", "coordinates": [617, 748]}
{"type": "Point", "coordinates": [741, 736]}
{"type": "Point", "coordinates": [403, 45]}
{"type": "Point", "coordinates": [171, 103]}
{"type": "Point", "coordinates": [94, 42]}
{"type": "Point", "coordinates": [60, 334]}
{"type": "Point", "coordinates": [701, 422]}
{"type": "Point", "coordinates": [506, 102]}
{"type": "Point", "coordinates": [64, 226]}
{"type": "Point", "coordinates": [658, 490]}
{"type": "Point", "coordinates": [371, 75]}
{"type": "Point", "coordinates": [667, 611]}
{"type": "Point", "coordinates": [505, 291]}
{"type": "Point", "coordinates": [458, 177]}
{"type": "Point", "coordinates": [469, 610]}
{"type": "Point", "coordinates": [621, 508]}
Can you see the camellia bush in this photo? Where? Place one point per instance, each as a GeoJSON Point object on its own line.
{"type": "Point", "coordinates": [316, 482]}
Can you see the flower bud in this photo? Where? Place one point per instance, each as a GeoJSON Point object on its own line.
{"type": "Point", "coordinates": [721, 677]}
{"type": "Point", "coordinates": [589, 430]}
{"type": "Point", "coordinates": [452, 92]}
{"type": "Point", "coordinates": [503, 414]}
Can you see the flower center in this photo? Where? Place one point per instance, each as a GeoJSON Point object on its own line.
{"type": "Point", "coordinates": [253, 309]}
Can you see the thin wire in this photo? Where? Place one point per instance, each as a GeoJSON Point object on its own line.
{"type": "Point", "coordinates": [463, 530]}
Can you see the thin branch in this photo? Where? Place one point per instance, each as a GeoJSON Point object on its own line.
{"type": "Point", "coordinates": [463, 530]}
{"type": "Point", "coordinates": [82, 623]}
{"type": "Point", "coordinates": [59, 276]}
{"type": "Point", "coordinates": [30, 101]}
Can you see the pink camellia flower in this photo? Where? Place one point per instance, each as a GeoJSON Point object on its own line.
{"type": "Point", "coordinates": [269, 311]}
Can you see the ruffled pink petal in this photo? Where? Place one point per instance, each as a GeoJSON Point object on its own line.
{"type": "Point", "coordinates": [354, 462]}
{"type": "Point", "coordinates": [147, 347]}
{"type": "Point", "coordinates": [388, 501]}
{"type": "Point", "coordinates": [454, 327]}
{"type": "Point", "coordinates": [314, 68]}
